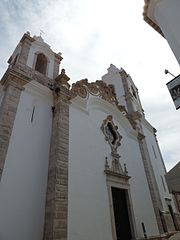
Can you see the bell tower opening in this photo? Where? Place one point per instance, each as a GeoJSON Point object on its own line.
{"type": "Point", "coordinates": [41, 63]}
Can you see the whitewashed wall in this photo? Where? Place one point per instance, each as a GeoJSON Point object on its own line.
{"type": "Point", "coordinates": [89, 210]}
{"type": "Point", "coordinates": [166, 14]}
{"type": "Point", "coordinates": [24, 178]}
{"type": "Point", "coordinates": [113, 77]}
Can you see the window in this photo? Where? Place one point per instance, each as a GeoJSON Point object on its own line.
{"type": "Point", "coordinates": [41, 63]}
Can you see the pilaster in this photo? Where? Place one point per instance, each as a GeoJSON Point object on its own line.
{"type": "Point", "coordinates": [13, 88]}
{"type": "Point", "coordinates": [156, 200]}
{"type": "Point", "coordinates": [26, 42]}
{"type": "Point", "coordinates": [56, 212]}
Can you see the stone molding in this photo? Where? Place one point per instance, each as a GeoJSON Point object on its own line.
{"type": "Point", "coordinates": [108, 135]}
{"type": "Point", "coordinates": [99, 88]}
{"type": "Point", "coordinates": [113, 138]}
{"type": "Point", "coordinates": [167, 221]}
{"type": "Point", "coordinates": [13, 85]}
{"type": "Point", "coordinates": [56, 212]}
{"type": "Point", "coordinates": [115, 175]}
{"type": "Point", "coordinates": [121, 181]}
{"type": "Point", "coordinates": [152, 23]}
{"type": "Point", "coordinates": [164, 236]}
{"type": "Point", "coordinates": [25, 72]}
{"type": "Point", "coordinates": [13, 81]}
{"type": "Point", "coordinates": [153, 188]}
{"type": "Point", "coordinates": [177, 220]}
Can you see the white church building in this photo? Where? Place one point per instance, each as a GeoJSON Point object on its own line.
{"type": "Point", "coordinates": [77, 162]}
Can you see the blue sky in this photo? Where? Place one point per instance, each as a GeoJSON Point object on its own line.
{"type": "Point", "coordinates": [93, 34]}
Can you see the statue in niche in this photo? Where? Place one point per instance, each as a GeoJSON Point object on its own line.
{"type": "Point", "coordinates": [113, 137]}
{"type": "Point", "coordinates": [111, 134]}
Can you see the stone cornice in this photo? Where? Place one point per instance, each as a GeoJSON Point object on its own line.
{"type": "Point", "coordinates": [147, 14]}
{"type": "Point", "coordinates": [119, 175]}
{"type": "Point", "coordinates": [26, 74]}
{"type": "Point", "coordinates": [27, 37]}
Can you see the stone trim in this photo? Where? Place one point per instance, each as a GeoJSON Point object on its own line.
{"type": "Point", "coordinates": [57, 60]}
{"type": "Point", "coordinates": [148, 20]}
{"type": "Point", "coordinates": [56, 212]}
{"type": "Point", "coordinates": [13, 87]}
{"type": "Point", "coordinates": [35, 60]}
{"type": "Point", "coordinates": [153, 188]}
{"type": "Point", "coordinates": [25, 48]}
{"type": "Point", "coordinates": [99, 88]}
{"type": "Point", "coordinates": [164, 236]}
{"type": "Point", "coordinates": [177, 220]}
{"type": "Point", "coordinates": [26, 73]}
{"type": "Point", "coordinates": [167, 221]}
{"type": "Point", "coordinates": [108, 135]}
{"type": "Point", "coordinates": [122, 182]}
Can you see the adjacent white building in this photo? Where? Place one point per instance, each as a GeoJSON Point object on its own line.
{"type": "Point", "coordinates": [77, 162]}
{"type": "Point", "coordinates": [163, 16]}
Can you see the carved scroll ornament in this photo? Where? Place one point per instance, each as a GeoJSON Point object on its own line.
{"type": "Point", "coordinates": [83, 88]}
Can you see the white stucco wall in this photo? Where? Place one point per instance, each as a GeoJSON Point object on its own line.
{"type": "Point", "coordinates": [113, 77]}
{"type": "Point", "coordinates": [24, 178]}
{"type": "Point", "coordinates": [89, 210]}
{"type": "Point", "coordinates": [166, 14]}
{"type": "Point", "coordinates": [42, 47]}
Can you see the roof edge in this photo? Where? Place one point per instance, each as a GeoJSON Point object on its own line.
{"type": "Point", "coordinates": [148, 19]}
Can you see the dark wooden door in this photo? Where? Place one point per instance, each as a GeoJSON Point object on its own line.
{"type": "Point", "coordinates": [122, 223]}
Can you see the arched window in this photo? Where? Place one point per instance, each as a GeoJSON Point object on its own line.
{"type": "Point", "coordinates": [41, 63]}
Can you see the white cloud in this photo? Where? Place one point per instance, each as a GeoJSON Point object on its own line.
{"type": "Point", "coordinates": [92, 34]}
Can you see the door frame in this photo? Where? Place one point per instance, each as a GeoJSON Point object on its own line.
{"type": "Point", "coordinates": [121, 182]}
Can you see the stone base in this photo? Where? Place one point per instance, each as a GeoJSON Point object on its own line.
{"type": "Point", "coordinates": [177, 221]}
{"type": "Point", "coordinates": [175, 236]}
{"type": "Point", "coordinates": [167, 222]}
{"type": "Point", "coordinates": [166, 236]}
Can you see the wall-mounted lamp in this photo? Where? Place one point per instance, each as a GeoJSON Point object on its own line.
{"type": "Point", "coordinates": [166, 72]}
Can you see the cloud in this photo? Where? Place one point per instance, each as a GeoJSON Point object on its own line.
{"type": "Point", "coordinates": [92, 34]}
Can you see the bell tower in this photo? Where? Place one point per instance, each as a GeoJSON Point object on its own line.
{"type": "Point", "coordinates": [30, 141]}
{"type": "Point", "coordinates": [32, 61]}
{"type": "Point", "coordinates": [32, 54]}
{"type": "Point", "coordinates": [126, 91]}
{"type": "Point", "coordinates": [127, 95]}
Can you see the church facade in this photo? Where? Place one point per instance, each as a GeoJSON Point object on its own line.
{"type": "Point", "coordinates": [77, 162]}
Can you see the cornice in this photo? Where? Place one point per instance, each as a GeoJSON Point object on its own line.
{"type": "Point", "coordinates": [148, 15]}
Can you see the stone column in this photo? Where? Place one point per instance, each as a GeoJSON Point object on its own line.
{"type": "Point", "coordinates": [156, 200]}
{"type": "Point", "coordinates": [56, 212]}
{"type": "Point", "coordinates": [7, 116]}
